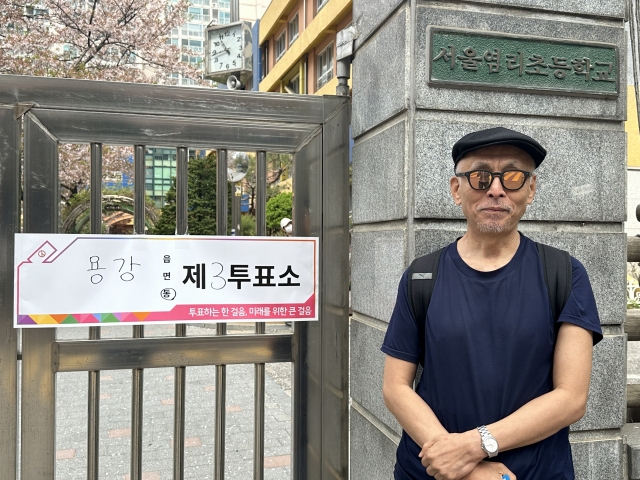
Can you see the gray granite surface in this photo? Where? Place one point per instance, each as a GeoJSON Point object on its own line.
{"type": "Point", "coordinates": [543, 105]}
{"type": "Point", "coordinates": [605, 8]}
{"type": "Point", "coordinates": [632, 432]}
{"type": "Point", "coordinates": [378, 260]}
{"type": "Point", "coordinates": [373, 454]}
{"type": "Point", "coordinates": [603, 256]}
{"type": "Point", "coordinates": [578, 180]}
{"type": "Point", "coordinates": [380, 76]}
{"type": "Point", "coordinates": [607, 405]}
{"type": "Point", "coordinates": [367, 16]}
{"type": "Point", "coordinates": [366, 369]}
{"type": "Point", "coordinates": [598, 459]}
{"type": "Point", "coordinates": [378, 176]}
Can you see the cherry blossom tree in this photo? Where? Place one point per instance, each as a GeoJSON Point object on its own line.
{"type": "Point", "coordinates": [115, 40]}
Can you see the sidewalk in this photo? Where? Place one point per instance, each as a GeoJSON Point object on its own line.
{"type": "Point", "coordinates": [157, 455]}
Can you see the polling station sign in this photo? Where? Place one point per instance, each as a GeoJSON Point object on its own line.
{"type": "Point", "coordinates": [89, 280]}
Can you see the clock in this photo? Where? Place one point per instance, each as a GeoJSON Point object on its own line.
{"type": "Point", "coordinates": [228, 51]}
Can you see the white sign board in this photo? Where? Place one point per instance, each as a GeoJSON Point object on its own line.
{"type": "Point", "coordinates": [89, 280]}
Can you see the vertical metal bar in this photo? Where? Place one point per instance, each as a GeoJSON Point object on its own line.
{"type": "Point", "coordinates": [334, 284]}
{"type": "Point", "coordinates": [138, 330]}
{"type": "Point", "coordinates": [221, 370]}
{"type": "Point", "coordinates": [261, 193]}
{"type": "Point", "coordinates": [307, 365]}
{"type": "Point", "coordinates": [93, 427]}
{"type": "Point", "coordinates": [41, 215]}
{"type": "Point", "coordinates": [182, 185]}
{"type": "Point", "coordinates": [221, 193]}
{"type": "Point", "coordinates": [139, 189]}
{"type": "Point", "coordinates": [261, 229]}
{"type": "Point", "coordinates": [9, 225]}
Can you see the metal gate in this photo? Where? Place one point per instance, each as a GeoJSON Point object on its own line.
{"type": "Point", "coordinates": [36, 115]}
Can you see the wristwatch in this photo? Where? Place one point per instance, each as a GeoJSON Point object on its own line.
{"type": "Point", "coordinates": [488, 443]}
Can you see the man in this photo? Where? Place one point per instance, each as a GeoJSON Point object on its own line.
{"type": "Point", "coordinates": [502, 379]}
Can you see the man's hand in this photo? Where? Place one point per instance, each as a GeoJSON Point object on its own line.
{"type": "Point", "coordinates": [490, 471]}
{"type": "Point", "coordinates": [452, 456]}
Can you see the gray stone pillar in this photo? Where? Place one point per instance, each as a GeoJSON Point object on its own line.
{"type": "Point", "coordinates": [404, 128]}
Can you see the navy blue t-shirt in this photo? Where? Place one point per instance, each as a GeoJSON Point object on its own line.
{"type": "Point", "coordinates": [489, 344]}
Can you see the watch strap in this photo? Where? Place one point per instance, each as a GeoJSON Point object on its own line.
{"type": "Point", "coordinates": [485, 435]}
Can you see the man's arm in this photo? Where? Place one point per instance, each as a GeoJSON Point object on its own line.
{"type": "Point", "coordinates": [538, 419]}
{"type": "Point", "coordinates": [411, 411]}
{"type": "Point", "coordinates": [418, 420]}
{"type": "Point", "coordinates": [564, 405]}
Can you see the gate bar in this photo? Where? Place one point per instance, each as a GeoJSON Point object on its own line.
{"type": "Point", "coordinates": [41, 215]}
{"type": "Point", "coordinates": [261, 230]}
{"type": "Point", "coordinates": [182, 185]}
{"type": "Point", "coordinates": [221, 328]}
{"type": "Point", "coordinates": [163, 352]}
{"type": "Point", "coordinates": [9, 225]}
{"type": "Point", "coordinates": [93, 426]}
{"type": "Point", "coordinates": [138, 330]}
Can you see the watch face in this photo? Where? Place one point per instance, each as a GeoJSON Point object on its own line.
{"type": "Point", "coordinates": [226, 48]}
{"type": "Point", "coordinates": [491, 445]}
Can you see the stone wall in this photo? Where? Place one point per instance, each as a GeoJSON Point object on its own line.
{"type": "Point", "coordinates": [404, 130]}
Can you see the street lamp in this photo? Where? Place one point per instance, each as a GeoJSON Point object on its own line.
{"type": "Point", "coordinates": [237, 168]}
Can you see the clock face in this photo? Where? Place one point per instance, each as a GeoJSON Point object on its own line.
{"type": "Point", "coordinates": [226, 48]}
{"type": "Point", "coordinates": [491, 445]}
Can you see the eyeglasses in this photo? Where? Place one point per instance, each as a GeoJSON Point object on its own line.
{"type": "Point", "coordinates": [482, 179]}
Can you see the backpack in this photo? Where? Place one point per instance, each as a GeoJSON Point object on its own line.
{"type": "Point", "coordinates": [556, 266]}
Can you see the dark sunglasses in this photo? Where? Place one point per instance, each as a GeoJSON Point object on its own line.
{"type": "Point", "coordinates": [482, 179]}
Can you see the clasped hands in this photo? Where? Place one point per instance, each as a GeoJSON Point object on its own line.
{"type": "Point", "coordinates": [458, 456]}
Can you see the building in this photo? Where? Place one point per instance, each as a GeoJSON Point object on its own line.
{"type": "Point", "coordinates": [297, 41]}
{"type": "Point", "coordinates": [632, 226]}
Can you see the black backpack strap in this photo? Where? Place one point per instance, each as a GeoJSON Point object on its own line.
{"type": "Point", "coordinates": [556, 266]}
{"type": "Point", "coordinates": [422, 277]}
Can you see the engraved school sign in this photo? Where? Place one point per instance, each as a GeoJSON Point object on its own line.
{"type": "Point", "coordinates": [461, 58]}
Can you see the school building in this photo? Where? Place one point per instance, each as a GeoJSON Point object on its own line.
{"type": "Point", "coordinates": [297, 41]}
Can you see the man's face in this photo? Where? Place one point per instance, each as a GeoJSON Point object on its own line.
{"type": "Point", "coordinates": [495, 210]}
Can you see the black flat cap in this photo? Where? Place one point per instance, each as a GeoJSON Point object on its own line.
{"type": "Point", "coordinates": [498, 136]}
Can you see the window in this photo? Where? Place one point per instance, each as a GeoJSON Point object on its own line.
{"type": "Point", "coordinates": [281, 45]}
{"type": "Point", "coordinates": [293, 29]}
{"type": "Point", "coordinates": [224, 3]}
{"type": "Point", "coordinates": [325, 66]}
{"type": "Point", "coordinates": [224, 17]}
{"type": "Point", "coordinates": [321, 3]}
{"type": "Point", "coordinates": [294, 85]}
{"type": "Point", "coordinates": [264, 61]}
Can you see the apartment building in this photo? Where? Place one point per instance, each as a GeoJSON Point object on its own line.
{"type": "Point", "coordinates": [298, 45]}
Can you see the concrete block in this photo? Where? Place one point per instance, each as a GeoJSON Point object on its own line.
{"type": "Point", "coordinates": [437, 235]}
{"type": "Point", "coordinates": [598, 459]}
{"type": "Point", "coordinates": [572, 186]}
{"type": "Point", "coordinates": [367, 16]}
{"type": "Point", "coordinates": [605, 8]}
{"type": "Point", "coordinates": [366, 368]}
{"type": "Point", "coordinates": [518, 23]}
{"type": "Point", "coordinates": [606, 407]}
{"type": "Point", "coordinates": [380, 76]}
{"type": "Point", "coordinates": [379, 176]}
{"type": "Point", "coordinates": [604, 257]}
{"type": "Point", "coordinates": [373, 454]}
{"type": "Point", "coordinates": [632, 432]}
{"type": "Point", "coordinates": [378, 261]}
